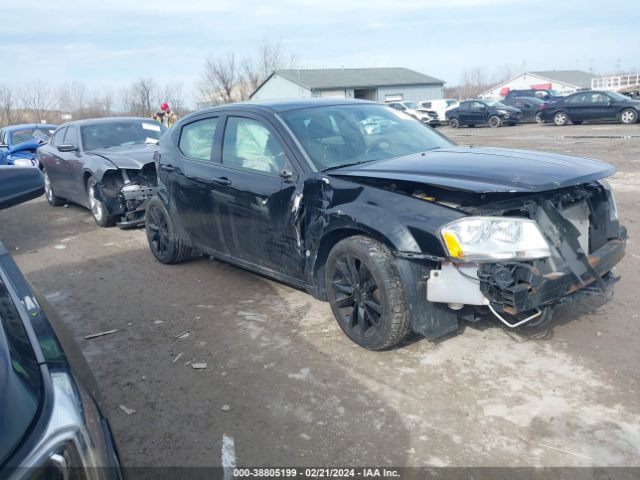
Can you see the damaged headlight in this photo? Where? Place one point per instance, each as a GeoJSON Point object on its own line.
{"type": "Point", "coordinates": [494, 238]}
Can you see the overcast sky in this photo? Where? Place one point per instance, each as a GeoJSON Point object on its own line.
{"type": "Point", "coordinates": [112, 42]}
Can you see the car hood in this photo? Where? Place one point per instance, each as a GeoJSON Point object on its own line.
{"type": "Point", "coordinates": [484, 170]}
{"type": "Point", "coordinates": [509, 109]}
{"type": "Point", "coordinates": [32, 144]}
{"type": "Point", "coordinates": [133, 156]}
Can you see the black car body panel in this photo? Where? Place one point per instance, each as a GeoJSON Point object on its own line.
{"type": "Point", "coordinates": [543, 94]}
{"type": "Point", "coordinates": [18, 184]}
{"type": "Point", "coordinates": [479, 112]}
{"type": "Point", "coordinates": [592, 106]}
{"type": "Point", "coordinates": [125, 174]}
{"type": "Point", "coordinates": [68, 419]}
{"type": "Point", "coordinates": [530, 107]}
{"type": "Point", "coordinates": [285, 226]}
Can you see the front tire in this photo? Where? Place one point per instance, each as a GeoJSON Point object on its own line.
{"type": "Point", "coordinates": [495, 121]}
{"type": "Point", "coordinates": [454, 123]}
{"type": "Point", "coordinates": [98, 208]}
{"type": "Point", "coordinates": [52, 198]}
{"type": "Point", "coordinates": [628, 116]}
{"type": "Point", "coordinates": [560, 118]}
{"type": "Point", "coordinates": [366, 294]}
{"type": "Point", "coordinates": [538, 118]}
{"type": "Point", "coordinates": [164, 243]}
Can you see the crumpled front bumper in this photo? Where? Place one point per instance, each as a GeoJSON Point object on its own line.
{"type": "Point", "coordinates": [517, 289]}
{"type": "Point", "coordinates": [134, 198]}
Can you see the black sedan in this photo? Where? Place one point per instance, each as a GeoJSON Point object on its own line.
{"type": "Point", "coordinates": [482, 112]}
{"type": "Point", "coordinates": [397, 227]}
{"type": "Point", "coordinates": [105, 165]}
{"type": "Point", "coordinates": [51, 422]}
{"type": "Point", "coordinates": [531, 107]}
{"type": "Point", "coordinates": [592, 106]}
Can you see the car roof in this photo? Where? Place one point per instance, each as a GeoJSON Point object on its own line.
{"type": "Point", "coordinates": [95, 121]}
{"type": "Point", "coordinates": [277, 106]}
{"type": "Point", "coordinates": [22, 126]}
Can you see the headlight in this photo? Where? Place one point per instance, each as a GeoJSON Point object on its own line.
{"type": "Point", "coordinates": [23, 162]}
{"type": "Point", "coordinates": [503, 112]}
{"type": "Point", "coordinates": [494, 238]}
{"type": "Point", "coordinates": [613, 207]}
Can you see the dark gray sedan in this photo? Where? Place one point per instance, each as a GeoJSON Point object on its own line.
{"type": "Point", "coordinates": [105, 165]}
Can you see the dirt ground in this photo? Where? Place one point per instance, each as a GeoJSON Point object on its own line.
{"type": "Point", "coordinates": [296, 391]}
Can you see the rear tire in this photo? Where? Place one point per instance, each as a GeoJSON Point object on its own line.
{"type": "Point", "coordinates": [164, 243]}
{"type": "Point", "coordinates": [628, 116]}
{"type": "Point", "coordinates": [366, 294]}
{"type": "Point", "coordinates": [454, 123]}
{"type": "Point", "coordinates": [97, 207]}
{"type": "Point", "coordinates": [495, 121]}
{"type": "Point", "coordinates": [560, 118]}
{"type": "Point", "coordinates": [52, 198]}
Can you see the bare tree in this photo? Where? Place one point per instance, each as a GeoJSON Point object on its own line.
{"type": "Point", "coordinates": [269, 58]}
{"type": "Point", "coordinates": [219, 79]}
{"type": "Point", "coordinates": [140, 98]}
{"type": "Point", "coordinates": [38, 99]}
{"type": "Point", "coordinates": [72, 98]}
{"type": "Point", "coordinates": [7, 104]}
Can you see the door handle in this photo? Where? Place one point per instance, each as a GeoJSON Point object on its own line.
{"type": "Point", "coordinates": [224, 181]}
{"type": "Point", "coordinates": [167, 168]}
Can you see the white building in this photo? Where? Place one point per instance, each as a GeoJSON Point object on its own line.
{"type": "Point", "coordinates": [377, 84]}
{"type": "Point", "coordinates": [562, 81]}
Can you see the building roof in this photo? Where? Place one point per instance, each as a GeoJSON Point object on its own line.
{"type": "Point", "coordinates": [577, 78]}
{"type": "Point", "coordinates": [327, 78]}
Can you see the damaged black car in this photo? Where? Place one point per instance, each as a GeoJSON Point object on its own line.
{"type": "Point", "coordinates": [399, 229]}
{"type": "Point", "coordinates": [105, 165]}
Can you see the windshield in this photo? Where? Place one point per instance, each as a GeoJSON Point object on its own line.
{"type": "Point", "coordinates": [451, 102]}
{"type": "Point", "coordinates": [411, 105]}
{"type": "Point", "coordinates": [120, 133]}
{"type": "Point", "coordinates": [20, 381]}
{"type": "Point", "coordinates": [342, 135]}
{"type": "Point", "coordinates": [26, 134]}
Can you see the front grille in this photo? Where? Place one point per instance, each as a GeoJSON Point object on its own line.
{"type": "Point", "coordinates": [578, 215]}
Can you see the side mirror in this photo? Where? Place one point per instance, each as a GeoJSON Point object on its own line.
{"type": "Point", "coordinates": [67, 147]}
{"type": "Point", "coordinates": [19, 184]}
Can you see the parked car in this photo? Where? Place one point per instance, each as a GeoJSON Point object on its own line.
{"type": "Point", "coordinates": [413, 109]}
{"type": "Point", "coordinates": [531, 107]}
{"type": "Point", "coordinates": [482, 112]}
{"type": "Point", "coordinates": [398, 228]}
{"type": "Point", "coordinates": [543, 94]}
{"type": "Point", "coordinates": [105, 165]}
{"type": "Point", "coordinates": [50, 415]}
{"type": "Point", "coordinates": [592, 106]}
{"type": "Point", "coordinates": [18, 143]}
{"type": "Point", "coordinates": [440, 106]}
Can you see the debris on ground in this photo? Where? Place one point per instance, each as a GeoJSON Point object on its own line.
{"type": "Point", "coordinates": [127, 410]}
{"type": "Point", "coordinates": [101, 334]}
{"type": "Point", "coordinates": [226, 408]}
{"type": "Point", "coordinates": [182, 335]}
{"type": "Point", "coordinates": [158, 322]}
{"type": "Point", "coordinates": [198, 366]}
{"type": "Point", "coordinates": [178, 357]}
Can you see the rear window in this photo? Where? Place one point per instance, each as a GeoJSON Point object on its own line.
{"type": "Point", "coordinates": [26, 134]}
{"type": "Point", "coordinates": [20, 380]}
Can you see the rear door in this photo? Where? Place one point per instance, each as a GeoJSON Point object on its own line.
{"type": "Point", "coordinates": [51, 160]}
{"type": "Point", "coordinates": [70, 167]}
{"type": "Point", "coordinates": [577, 106]}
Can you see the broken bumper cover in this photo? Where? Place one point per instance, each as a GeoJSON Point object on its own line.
{"type": "Point", "coordinates": [524, 288]}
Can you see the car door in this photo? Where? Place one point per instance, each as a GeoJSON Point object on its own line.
{"type": "Point", "coordinates": [602, 107]}
{"type": "Point", "coordinates": [190, 173]}
{"type": "Point", "coordinates": [70, 167]}
{"type": "Point", "coordinates": [577, 106]}
{"type": "Point", "coordinates": [257, 199]}
{"type": "Point", "coordinates": [477, 114]}
{"type": "Point", "coordinates": [525, 107]}
{"type": "Point", "coordinates": [464, 113]}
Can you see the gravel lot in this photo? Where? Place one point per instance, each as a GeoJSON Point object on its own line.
{"type": "Point", "coordinates": [300, 393]}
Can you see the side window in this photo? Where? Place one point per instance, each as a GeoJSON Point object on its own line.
{"type": "Point", "coordinates": [196, 139]}
{"type": "Point", "coordinates": [476, 106]}
{"type": "Point", "coordinates": [58, 137]}
{"type": "Point", "coordinates": [426, 104]}
{"type": "Point", "coordinates": [71, 137]}
{"type": "Point", "coordinates": [2, 137]}
{"type": "Point", "coordinates": [464, 106]}
{"type": "Point", "coordinates": [251, 145]}
{"type": "Point", "coordinates": [580, 98]}
{"type": "Point", "coordinates": [599, 98]}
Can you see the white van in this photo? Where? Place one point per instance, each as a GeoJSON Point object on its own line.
{"type": "Point", "coordinates": [440, 106]}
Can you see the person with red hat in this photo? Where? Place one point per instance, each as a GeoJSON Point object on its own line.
{"type": "Point", "coordinates": [165, 116]}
